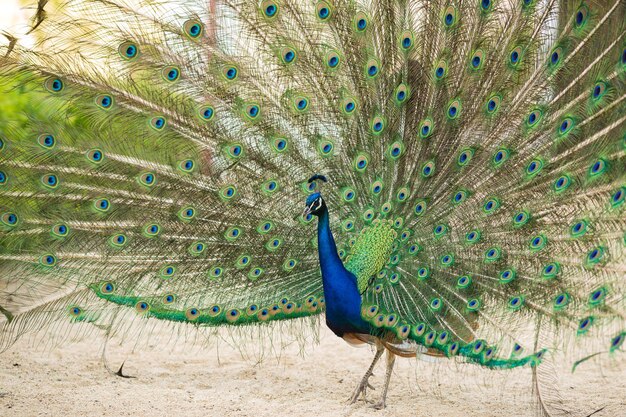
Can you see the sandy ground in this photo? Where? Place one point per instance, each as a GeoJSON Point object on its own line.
{"type": "Point", "coordinates": [215, 382]}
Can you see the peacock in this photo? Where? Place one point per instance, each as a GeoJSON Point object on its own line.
{"type": "Point", "coordinates": [438, 178]}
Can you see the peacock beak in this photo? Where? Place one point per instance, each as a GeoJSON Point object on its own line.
{"type": "Point", "coordinates": [307, 210]}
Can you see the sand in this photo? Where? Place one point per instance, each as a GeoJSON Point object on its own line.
{"type": "Point", "coordinates": [217, 382]}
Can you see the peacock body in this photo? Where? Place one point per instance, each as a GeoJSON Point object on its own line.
{"type": "Point", "coordinates": [466, 161]}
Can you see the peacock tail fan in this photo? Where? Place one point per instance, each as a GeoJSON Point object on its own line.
{"type": "Point", "coordinates": [475, 153]}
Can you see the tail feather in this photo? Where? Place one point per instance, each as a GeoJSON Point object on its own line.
{"type": "Point", "coordinates": [164, 166]}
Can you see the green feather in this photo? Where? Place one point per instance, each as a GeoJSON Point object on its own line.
{"type": "Point", "coordinates": [155, 164]}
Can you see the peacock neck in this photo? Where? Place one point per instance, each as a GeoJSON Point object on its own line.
{"type": "Point", "coordinates": [329, 259]}
{"type": "Point", "coordinates": [343, 300]}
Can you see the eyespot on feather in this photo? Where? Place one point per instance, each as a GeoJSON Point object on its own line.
{"type": "Point", "coordinates": [128, 50]}
{"type": "Point", "coordinates": [54, 85]}
{"type": "Point", "coordinates": [193, 28]}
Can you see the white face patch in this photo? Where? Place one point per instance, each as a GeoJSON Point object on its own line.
{"type": "Point", "coordinates": [317, 204]}
{"type": "Point", "coordinates": [314, 206]}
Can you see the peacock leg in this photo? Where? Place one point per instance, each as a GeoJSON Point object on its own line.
{"type": "Point", "coordinates": [362, 387]}
{"type": "Point", "coordinates": [391, 359]}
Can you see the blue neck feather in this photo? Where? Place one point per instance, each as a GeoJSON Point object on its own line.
{"type": "Point", "coordinates": [343, 301]}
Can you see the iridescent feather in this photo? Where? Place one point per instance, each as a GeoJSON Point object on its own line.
{"type": "Point", "coordinates": [475, 153]}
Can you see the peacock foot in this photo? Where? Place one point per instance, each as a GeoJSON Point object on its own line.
{"type": "Point", "coordinates": [379, 405]}
{"type": "Point", "coordinates": [362, 388]}
{"type": "Point", "coordinates": [121, 373]}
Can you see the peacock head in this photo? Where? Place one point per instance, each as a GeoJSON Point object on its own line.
{"type": "Point", "coordinates": [315, 205]}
